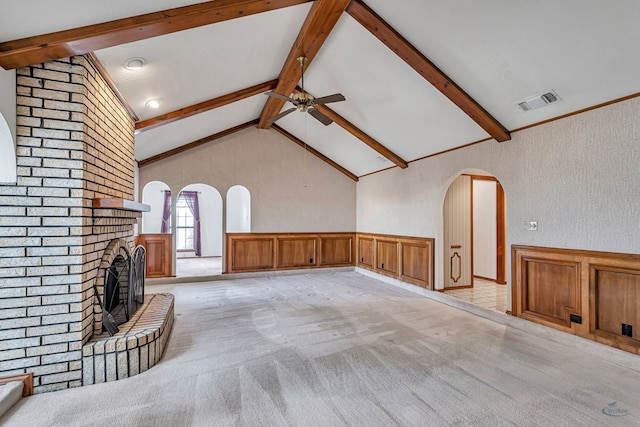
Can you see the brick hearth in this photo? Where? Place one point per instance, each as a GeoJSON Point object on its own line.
{"type": "Point", "coordinates": [75, 143]}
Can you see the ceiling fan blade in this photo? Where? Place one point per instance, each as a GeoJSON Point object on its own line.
{"type": "Point", "coordinates": [281, 115]}
{"type": "Point", "coordinates": [319, 116]}
{"type": "Point", "coordinates": [286, 98]}
{"type": "Point", "coordinates": [336, 97]}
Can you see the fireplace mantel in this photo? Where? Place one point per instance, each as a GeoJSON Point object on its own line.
{"type": "Point", "coordinates": [123, 204]}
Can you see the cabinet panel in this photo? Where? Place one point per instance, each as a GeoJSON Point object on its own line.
{"type": "Point", "coordinates": [159, 257]}
{"type": "Point", "coordinates": [415, 263]}
{"type": "Point", "coordinates": [617, 302]}
{"type": "Point", "coordinates": [387, 256]}
{"type": "Point", "coordinates": [254, 254]}
{"type": "Point", "coordinates": [552, 290]}
{"type": "Point", "coordinates": [298, 252]}
{"type": "Point", "coordinates": [365, 252]}
{"type": "Point", "coordinates": [336, 250]}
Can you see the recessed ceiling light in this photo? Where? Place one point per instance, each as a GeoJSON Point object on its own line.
{"type": "Point", "coordinates": [134, 63]}
{"type": "Point", "coordinates": [152, 103]}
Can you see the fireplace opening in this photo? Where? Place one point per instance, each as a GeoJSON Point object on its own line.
{"type": "Point", "coordinates": [123, 289]}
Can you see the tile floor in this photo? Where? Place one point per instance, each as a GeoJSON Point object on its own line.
{"type": "Point", "coordinates": [484, 294]}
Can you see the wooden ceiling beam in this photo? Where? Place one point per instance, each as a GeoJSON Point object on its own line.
{"type": "Point", "coordinates": [322, 17]}
{"type": "Point", "coordinates": [427, 69]}
{"type": "Point", "coordinates": [362, 136]}
{"type": "Point", "coordinates": [196, 143]}
{"type": "Point", "coordinates": [77, 41]}
{"type": "Point", "coordinates": [315, 152]}
{"type": "Point", "coordinates": [202, 107]}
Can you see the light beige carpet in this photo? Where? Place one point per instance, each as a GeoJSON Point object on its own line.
{"type": "Point", "coordinates": [344, 349]}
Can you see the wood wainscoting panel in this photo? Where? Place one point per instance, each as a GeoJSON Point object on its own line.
{"type": "Point", "coordinates": [366, 254]}
{"type": "Point", "coordinates": [285, 251]}
{"type": "Point", "coordinates": [415, 266]}
{"type": "Point", "coordinates": [296, 252]}
{"type": "Point", "coordinates": [405, 258]}
{"type": "Point", "coordinates": [601, 290]}
{"type": "Point", "coordinates": [551, 290]}
{"type": "Point", "coordinates": [387, 257]}
{"type": "Point", "coordinates": [252, 255]}
{"type": "Point", "coordinates": [159, 256]}
{"type": "Point", "coordinates": [616, 302]}
{"type": "Point", "coordinates": [336, 250]}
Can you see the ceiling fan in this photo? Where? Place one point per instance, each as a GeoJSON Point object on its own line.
{"type": "Point", "coordinates": [304, 102]}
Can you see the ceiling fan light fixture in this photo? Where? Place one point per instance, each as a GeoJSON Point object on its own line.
{"type": "Point", "coordinates": [134, 63]}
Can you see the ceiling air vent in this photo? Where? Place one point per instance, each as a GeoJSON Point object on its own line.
{"type": "Point", "coordinates": [539, 101]}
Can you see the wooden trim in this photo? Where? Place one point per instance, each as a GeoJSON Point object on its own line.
{"type": "Point", "coordinates": [471, 228]}
{"type": "Point", "coordinates": [322, 17]}
{"type": "Point", "coordinates": [362, 136]}
{"type": "Point", "coordinates": [77, 41]}
{"type": "Point", "coordinates": [27, 380]}
{"type": "Point", "coordinates": [195, 144]}
{"type": "Point", "coordinates": [107, 78]}
{"type": "Point", "coordinates": [117, 203]}
{"type": "Point", "coordinates": [427, 69]}
{"type": "Point", "coordinates": [501, 237]}
{"type": "Point", "coordinates": [584, 110]}
{"type": "Point", "coordinates": [488, 279]}
{"type": "Point", "coordinates": [314, 152]}
{"type": "Point", "coordinates": [580, 252]}
{"type": "Point", "coordinates": [204, 106]}
{"type": "Point", "coordinates": [453, 288]}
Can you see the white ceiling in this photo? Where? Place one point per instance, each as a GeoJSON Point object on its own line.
{"type": "Point", "coordinates": [499, 51]}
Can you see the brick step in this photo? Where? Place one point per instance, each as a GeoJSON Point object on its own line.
{"type": "Point", "coordinates": [138, 345]}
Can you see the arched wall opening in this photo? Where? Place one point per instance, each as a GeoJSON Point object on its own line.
{"type": "Point", "coordinates": [205, 258]}
{"type": "Point", "coordinates": [472, 238]}
{"type": "Point", "coordinates": [238, 210]}
{"type": "Point", "coordinates": [8, 167]}
{"type": "Point", "coordinates": [154, 194]}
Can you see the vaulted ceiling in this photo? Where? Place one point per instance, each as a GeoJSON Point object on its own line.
{"type": "Point", "coordinates": [419, 77]}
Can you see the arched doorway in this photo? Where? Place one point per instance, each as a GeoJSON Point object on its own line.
{"type": "Point", "coordinates": [474, 240]}
{"type": "Point", "coordinates": [198, 231]}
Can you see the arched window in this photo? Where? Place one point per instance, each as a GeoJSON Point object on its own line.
{"type": "Point", "coordinates": [238, 210]}
{"type": "Point", "coordinates": [7, 154]}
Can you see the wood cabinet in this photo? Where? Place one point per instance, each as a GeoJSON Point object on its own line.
{"type": "Point", "coordinates": [406, 258]}
{"type": "Point", "coordinates": [595, 295]}
{"type": "Point", "coordinates": [284, 251]}
{"type": "Point", "coordinates": [159, 256]}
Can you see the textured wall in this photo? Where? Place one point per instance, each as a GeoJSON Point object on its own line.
{"type": "Point", "coordinates": [578, 177]}
{"type": "Point", "coordinates": [291, 190]}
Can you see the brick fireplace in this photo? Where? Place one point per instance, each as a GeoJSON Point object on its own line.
{"type": "Point", "coordinates": [75, 143]}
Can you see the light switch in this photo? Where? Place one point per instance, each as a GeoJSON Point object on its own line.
{"type": "Point", "coordinates": [531, 226]}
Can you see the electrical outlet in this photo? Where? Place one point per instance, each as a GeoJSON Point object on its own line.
{"type": "Point", "coordinates": [531, 226]}
{"type": "Point", "coordinates": [627, 330]}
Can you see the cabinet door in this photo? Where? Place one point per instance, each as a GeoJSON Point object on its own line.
{"type": "Point", "coordinates": [365, 252]}
{"type": "Point", "coordinates": [297, 252]}
{"type": "Point", "coordinates": [387, 256]}
{"type": "Point", "coordinates": [159, 255]}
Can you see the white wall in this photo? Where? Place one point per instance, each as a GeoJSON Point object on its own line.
{"type": "Point", "coordinates": [485, 233]}
{"type": "Point", "coordinates": [210, 204]}
{"type": "Point", "coordinates": [577, 177]}
{"type": "Point", "coordinates": [153, 195]}
{"type": "Point", "coordinates": [238, 210]}
{"type": "Point", "coordinates": [7, 126]}
{"type": "Point", "coordinates": [270, 166]}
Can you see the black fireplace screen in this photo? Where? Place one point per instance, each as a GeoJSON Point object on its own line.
{"type": "Point", "coordinates": [123, 289]}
